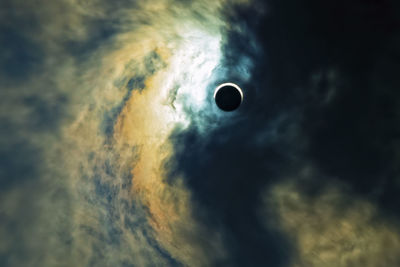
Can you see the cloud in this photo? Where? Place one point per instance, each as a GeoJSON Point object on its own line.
{"type": "Point", "coordinates": [83, 180]}
{"type": "Point", "coordinates": [310, 102]}
{"type": "Point", "coordinates": [332, 228]}
{"type": "Point", "coordinates": [112, 153]}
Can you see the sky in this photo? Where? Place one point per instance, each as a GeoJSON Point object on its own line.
{"type": "Point", "coordinates": [113, 152]}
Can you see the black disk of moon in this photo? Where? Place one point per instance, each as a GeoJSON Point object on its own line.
{"type": "Point", "coordinates": [228, 96]}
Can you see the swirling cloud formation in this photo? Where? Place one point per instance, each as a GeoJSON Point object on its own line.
{"type": "Point", "coordinates": [112, 152]}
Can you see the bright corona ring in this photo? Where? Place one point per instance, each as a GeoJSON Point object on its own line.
{"type": "Point", "coordinates": [228, 96]}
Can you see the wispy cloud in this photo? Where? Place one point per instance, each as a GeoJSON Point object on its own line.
{"type": "Point", "coordinates": [86, 119]}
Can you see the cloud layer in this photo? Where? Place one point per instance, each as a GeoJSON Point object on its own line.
{"type": "Point", "coordinates": [112, 152]}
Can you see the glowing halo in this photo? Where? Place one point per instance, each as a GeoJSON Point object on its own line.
{"type": "Point", "coordinates": [229, 84]}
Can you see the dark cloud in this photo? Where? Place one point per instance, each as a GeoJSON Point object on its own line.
{"type": "Point", "coordinates": [45, 114]}
{"type": "Point", "coordinates": [19, 161]}
{"type": "Point", "coordinates": [330, 68]}
{"type": "Point", "coordinates": [101, 34]}
{"type": "Point", "coordinates": [20, 57]}
{"type": "Point", "coordinates": [226, 177]}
